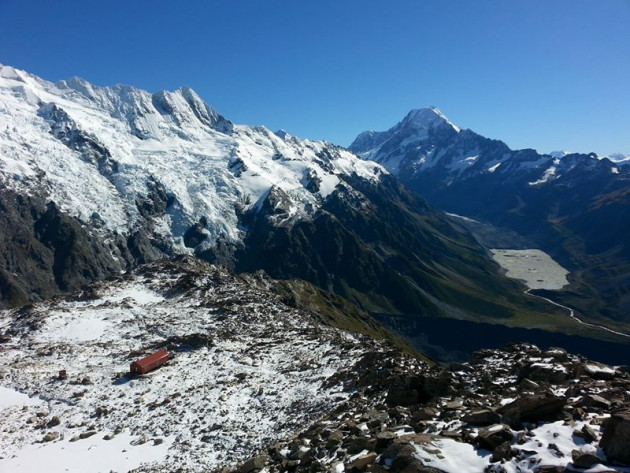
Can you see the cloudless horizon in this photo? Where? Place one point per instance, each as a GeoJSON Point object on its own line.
{"type": "Point", "coordinates": [546, 75]}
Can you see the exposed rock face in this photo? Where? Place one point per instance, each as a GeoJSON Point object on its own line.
{"type": "Point", "coordinates": [616, 439]}
{"type": "Point", "coordinates": [45, 251]}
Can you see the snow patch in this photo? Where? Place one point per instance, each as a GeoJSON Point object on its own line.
{"type": "Point", "coordinates": [452, 456]}
{"type": "Point", "coordinates": [94, 454]}
{"type": "Point", "coordinates": [12, 398]}
{"type": "Point", "coordinates": [245, 370]}
{"type": "Point", "coordinates": [494, 167]}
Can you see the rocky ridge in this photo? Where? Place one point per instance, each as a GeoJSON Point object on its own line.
{"type": "Point", "coordinates": [257, 385]}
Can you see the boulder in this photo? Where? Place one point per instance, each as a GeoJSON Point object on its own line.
{"type": "Point", "coordinates": [402, 397]}
{"type": "Point", "coordinates": [54, 421]}
{"type": "Point", "coordinates": [588, 434]}
{"type": "Point", "coordinates": [528, 385]}
{"type": "Point", "coordinates": [256, 463]}
{"type": "Point", "coordinates": [402, 447]}
{"type": "Point", "coordinates": [482, 417]}
{"type": "Point", "coordinates": [594, 401]}
{"type": "Point", "coordinates": [51, 436]}
{"type": "Point", "coordinates": [584, 459]}
{"type": "Point", "coordinates": [532, 408]}
{"type": "Point", "coordinates": [358, 444]}
{"type": "Point", "coordinates": [362, 461]}
{"type": "Point", "coordinates": [616, 439]}
{"type": "Point", "coordinates": [406, 462]}
{"type": "Point", "coordinates": [558, 354]}
{"type": "Point", "coordinates": [335, 438]}
{"type": "Point", "coordinates": [502, 452]}
{"type": "Point", "coordinates": [384, 440]}
{"type": "Point", "coordinates": [436, 385]}
{"type": "Point", "coordinates": [555, 450]}
{"type": "Point", "coordinates": [596, 371]}
{"type": "Point", "coordinates": [553, 373]}
{"type": "Point", "coordinates": [414, 389]}
{"type": "Point", "coordinates": [493, 436]}
{"type": "Point", "coordinates": [426, 413]}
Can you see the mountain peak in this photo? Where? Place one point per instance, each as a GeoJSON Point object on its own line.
{"type": "Point", "coordinates": [417, 126]}
{"type": "Point", "coordinates": [427, 118]}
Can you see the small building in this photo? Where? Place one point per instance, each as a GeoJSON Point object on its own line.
{"type": "Point", "coordinates": [151, 362]}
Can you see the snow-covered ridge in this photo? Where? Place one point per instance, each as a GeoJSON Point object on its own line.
{"type": "Point", "coordinates": [246, 370]}
{"type": "Point", "coordinates": [619, 158]}
{"type": "Point", "coordinates": [93, 149]}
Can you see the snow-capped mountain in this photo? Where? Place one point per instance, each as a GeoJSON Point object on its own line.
{"type": "Point", "coordinates": [97, 180]}
{"type": "Point", "coordinates": [574, 206]}
{"type": "Point", "coordinates": [426, 143]}
{"type": "Point", "coordinates": [98, 147]}
{"type": "Point", "coordinates": [620, 159]}
{"type": "Point", "coordinates": [416, 127]}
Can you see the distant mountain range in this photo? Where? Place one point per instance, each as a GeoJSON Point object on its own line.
{"type": "Point", "coordinates": [97, 180]}
{"type": "Point", "coordinates": [574, 206]}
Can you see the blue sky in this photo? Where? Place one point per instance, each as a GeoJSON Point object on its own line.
{"type": "Point", "coordinates": [547, 74]}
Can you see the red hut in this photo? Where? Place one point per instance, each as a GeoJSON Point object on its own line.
{"type": "Point", "coordinates": [149, 363]}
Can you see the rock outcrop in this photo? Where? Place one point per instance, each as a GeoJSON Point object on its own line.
{"type": "Point", "coordinates": [616, 439]}
{"type": "Point", "coordinates": [481, 416]}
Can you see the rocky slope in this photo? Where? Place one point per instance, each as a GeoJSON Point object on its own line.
{"type": "Point", "coordinates": [514, 410]}
{"type": "Point", "coordinates": [574, 206]}
{"type": "Point", "coordinates": [246, 370]}
{"type": "Point", "coordinates": [97, 180]}
{"type": "Point", "coordinates": [258, 385]}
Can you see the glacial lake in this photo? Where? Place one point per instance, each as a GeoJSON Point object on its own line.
{"type": "Point", "coordinates": [534, 267]}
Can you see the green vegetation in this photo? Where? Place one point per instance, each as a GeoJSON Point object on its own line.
{"type": "Point", "coordinates": [336, 311]}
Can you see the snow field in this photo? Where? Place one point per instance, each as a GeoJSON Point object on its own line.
{"type": "Point", "coordinates": [251, 371]}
